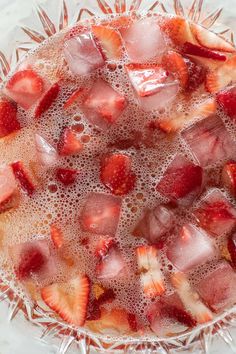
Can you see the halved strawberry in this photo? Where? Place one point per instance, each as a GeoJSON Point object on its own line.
{"type": "Point", "coordinates": [25, 87]}
{"type": "Point", "coordinates": [73, 98]}
{"type": "Point", "coordinates": [175, 63]}
{"type": "Point", "coordinates": [227, 100]}
{"type": "Point", "coordinates": [197, 75]}
{"type": "Point", "coordinates": [31, 260]}
{"type": "Point", "coordinates": [23, 177]}
{"type": "Point", "coordinates": [229, 176]}
{"type": "Point", "coordinates": [110, 41]}
{"type": "Point", "coordinates": [178, 29]}
{"type": "Point", "coordinates": [221, 76]}
{"type": "Point", "coordinates": [191, 299]}
{"type": "Point", "coordinates": [8, 184]}
{"type": "Point", "coordinates": [150, 273]}
{"type": "Point", "coordinates": [69, 143]}
{"type": "Point", "coordinates": [69, 300]}
{"type": "Point", "coordinates": [116, 174]}
{"type": "Point", "coordinates": [193, 49]}
{"type": "Point", "coordinates": [48, 99]}
{"type": "Point", "coordinates": [146, 79]}
{"type": "Point", "coordinates": [232, 248]}
{"type": "Point", "coordinates": [211, 40]}
{"type": "Point", "coordinates": [56, 235]}
{"type": "Point", "coordinates": [66, 176]}
{"type": "Point", "coordinates": [103, 246]}
{"type": "Point", "coordinates": [8, 118]}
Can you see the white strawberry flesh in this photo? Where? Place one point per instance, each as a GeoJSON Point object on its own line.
{"type": "Point", "coordinates": [82, 54]}
{"type": "Point", "coordinates": [46, 153]}
{"type": "Point", "coordinates": [8, 185]}
{"type": "Point", "coordinates": [191, 248]}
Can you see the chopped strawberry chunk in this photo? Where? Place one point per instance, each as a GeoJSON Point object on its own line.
{"type": "Point", "coordinates": [181, 181]}
{"type": "Point", "coordinates": [197, 75]}
{"type": "Point", "coordinates": [101, 213]}
{"type": "Point", "coordinates": [209, 141]}
{"type": "Point", "coordinates": [141, 47]}
{"type": "Point", "coordinates": [94, 310]}
{"type": "Point", "coordinates": [25, 87]}
{"type": "Point", "coordinates": [116, 174]}
{"type": "Point", "coordinates": [31, 261]}
{"type": "Point", "coordinates": [57, 236]}
{"type": "Point", "coordinates": [229, 176]}
{"type": "Point", "coordinates": [232, 248]}
{"type": "Point", "coordinates": [177, 29]}
{"type": "Point", "coordinates": [154, 223]}
{"type": "Point", "coordinates": [8, 184]}
{"type": "Point", "coordinates": [216, 214]}
{"type": "Point", "coordinates": [110, 41]}
{"type": "Point", "coordinates": [73, 98]}
{"type": "Point", "coordinates": [103, 105]}
{"type": "Point", "coordinates": [46, 153]}
{"type": "Point", "coordinates": [193, 49]}
{"type": "Point", "coordinates": [218, 289]}
{"type": "Point", "coordinates": [191, 299]}
{"type": "Point", "coordinates": [191, 248]}
{"type": "Point", "coordinates": [227, 100]}
{"type": "Point", "coordinates": [47, 100]}
{"type": "Point", "coordinates": [146, 79]}
{"type": "Point", "coordinates": [175, 63]}
{"type": "Point", "coordinates": [66, 176]}
{"type": "Point", "coordinates": [103, 246]}
{"type": "Point", "coordinates": [8, 118]}
{"type": "Point", "coordinates": [82, 54]}
{"type": "Point", "coordinates": [69, 300]}
{"type": "Point", "coordinates": [150, 272]}
{"type": "Point", "coordinates": [23, 178]}
{"type": "Point", "coordinates": [69, 143]}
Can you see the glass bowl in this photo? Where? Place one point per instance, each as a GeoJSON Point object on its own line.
{"type": "Point", "coordinates": [45, 21]}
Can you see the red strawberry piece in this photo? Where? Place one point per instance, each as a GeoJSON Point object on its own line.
{"type": "Point", "coordinates": [180, 179]}
{"type": "Point", "coordinates": [197, 75]}
{"type": "Point", "coordinates": [176, 64]}
{"type": "Point", "coordinates": [32, 260]}
{"type": "Point", "coordinates": [227, 100]}
{"type": "Point", "coordinates": [101, 213]}
{"type": "Point", "coordinates": [69, 300]}
{"type": "Point", "coordinates": [48, 99]}
{"type": "Point", "coordinates": [146, 79]}
{"type": "Point", "coordinates": [46, 153]}
{"type": "Point", "coordinates": [132, 322]}
{"type": "Point", "coordinates": [109, 40]}
{"type": "Point", "coordinates": [177, 29]}
{"type": "Point", "coordinates": [180, 315]}
{"type": "Point", "coordinates": [8, 184]}
{"type": "Point", "coordinates": [94, 310]}
{"type": "Point", "coordinates": [73, 98]}
{"type": "Point", "coordinates": [232, 248]}
{"type": "Point", "coordinates": [103, 246]}
{"type": "Point", "coordinates": [193, 49]}
{"type": "Point", "coordinates": [57, 236]}
{"type": "Point", "coordinates": [25, 87]}
{"type": "Point", "coordinates": [116, 174]}
{"type": "Point", "coordinates": [23, 177]}
{"type": "Point", "coordinates": [69, 143]}
{"type": "Point", "coordinates": [8, 118]}
{"type": "Point", "coordinates": [150, 272]}
{"type": "Point", "coordinates": [66, 176]}
{"type": "Point", "coordinates": [229, 176]}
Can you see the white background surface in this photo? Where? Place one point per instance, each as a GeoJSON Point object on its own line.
{"type": "Point", "coordinates": [16, 338]}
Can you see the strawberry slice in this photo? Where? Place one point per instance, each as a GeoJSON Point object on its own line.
{"type": "Point", "coordinates": [73, 98]}
{"type": "Point", "coordinates": [211, 40]}
{"type": "Point", "coordinates": [56, 236]}
{"type": "Point", "coordinates": [227, 100]}
{"type": "Point", "coordinates": [8, 184]}
{"type": "Point", "coordinates": [116, 174]}
{"type": "Point", "coordinates": [150, 273]}
{"type": "Point", "coordinates": [197, 75]}
{"type": "Point", "coordinates": [146, 79]}
{"type": "Point", "coordinates": [66, 176]}
{"type": "Point", "coordinates": [25, 87]}
{"type": "Point", "coordinates": [69, 143]}
{"type": "Point", "coordinates": [175, 63]}
{"type": "Point", "coordinates": [103, 246]}
{"type": "Point", "coordinates": [69, 300]}
{"type": "Point", "coordinates": [8, 118]}
{"type": "Point", "coordinates": [32, 261]}
{"type": "Point", "coordinates": [109, 40]}
{"type": "Point", "coordinates": [23, 178]}
{"type": "Point", "coordinates": [191, 299]}
{"type": "Point", "coordinates": [193, 49]}
{"type": "Point", "coordinates": [48, 99]}
{"type": "Point", "coordinates": [177, 29]}
{"type": "Point", "coordinates": [229, 176]}
{"type": "Point", "coordinates": [232, 248]}
{"type": "Point", "coordinates": [221, 76]}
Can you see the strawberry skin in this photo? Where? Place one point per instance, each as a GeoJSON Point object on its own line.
{"type": "Point", "coordinates": [175, 63]}
{"type": "Point", "coordinates": [66, 176]}
{"type": "Point", "coordinates": [23, 178]}
{"type": "Point", "coordinates": [227, 100]}
{"type": "Point", "coordinates": [69, 143]}
{"type": "Point", "coordinates": [110, 41]}
{"type": "Point", "coordinates": [47, 100]}
{"type": "Point", "coordinates": [116, 174]}
{"type": "Point", "coordinates": [8, 118]}
{"type": "Point", "coordinates": [56, 236]}
{"type": "Point", "coordinates": [32, 261]}
{"type": "Point", "coordinates": [69, 300]}
{"type": "Point", "coordinates": [179, 315]}
{"type": "Point", "coordinates": [193, 49]}
{"type": "Point", "coordinates": [73, 98]}
{"type": "Point", "coordinates": [232, 248]}
{"type": "Point", "coordinates": [229, 176]}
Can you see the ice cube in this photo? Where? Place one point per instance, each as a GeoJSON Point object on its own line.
{"type": "Point", "coordinates": [46, 153]}
{"type": "Point", "coordinates": [216, 214]}
{"type": "Point", "coordinates": [191, 248]}
{"type": "Point", "coordinates": [112, 266]}
{"type": "Point", "coordinates": [143, 40]}
{"type": "Point", "coordinates": [101, 214]}
{"type": "Point", "coordinates": [209, 141]}
{"type": "Point", "coordinates": [82, 54]}
{"type": "Point", "coordinates": [218, 289]}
